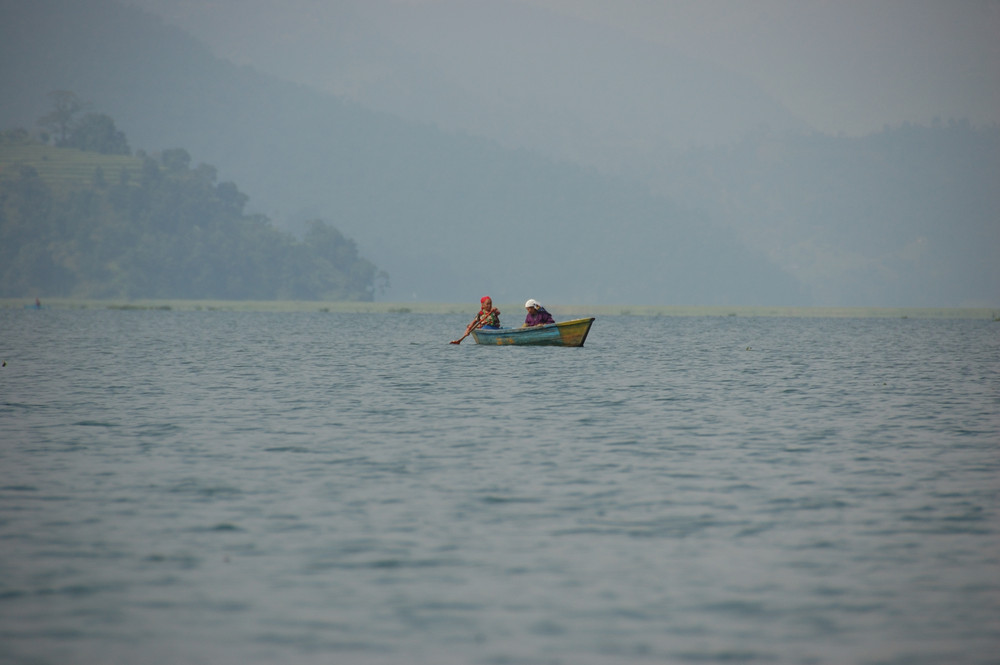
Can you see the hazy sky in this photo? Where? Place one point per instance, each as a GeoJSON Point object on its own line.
{"type": "Point", "coordinates": [841, 65]}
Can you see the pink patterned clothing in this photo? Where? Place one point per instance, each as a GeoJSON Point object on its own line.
{"type": "Point", "coordinates": [484, 318]}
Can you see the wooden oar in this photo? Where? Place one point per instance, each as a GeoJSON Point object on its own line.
{"type": "Point", "coordinates": [468, 331]}
{"type": "Point", "coordinates": [472, 326]}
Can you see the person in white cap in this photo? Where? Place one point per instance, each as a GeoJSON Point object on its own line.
{"type": "Point", "coordinates": [536, 314]}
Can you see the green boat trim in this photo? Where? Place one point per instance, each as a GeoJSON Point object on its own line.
{"type": "Point", "coordinates": [565, 333]}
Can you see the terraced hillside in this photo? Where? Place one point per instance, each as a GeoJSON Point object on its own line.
{"type": "Point", "coordinates": [65, 169]}
{"type": "Point", "coordinates": [76, 224]}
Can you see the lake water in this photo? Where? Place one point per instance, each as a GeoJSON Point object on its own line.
{"type": "Point", "coordinates": [245, 487]}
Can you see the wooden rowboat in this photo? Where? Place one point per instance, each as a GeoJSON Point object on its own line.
{"type": "Point", "coordinates": [566, 333]}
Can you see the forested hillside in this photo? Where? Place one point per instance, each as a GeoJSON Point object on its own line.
{"type": "Point", "coordinates": [906, 217]}
{"type": "Point", "coordinates": [85, 224]}
{"type": "Point", "coordinates": [447, 216]}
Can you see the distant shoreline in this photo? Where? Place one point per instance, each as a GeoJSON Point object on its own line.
{"type": "Point", "coordinates": [289, 306]}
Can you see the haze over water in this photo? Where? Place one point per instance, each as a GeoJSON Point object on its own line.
{"type": "Point", "coordinates": [249, 487]}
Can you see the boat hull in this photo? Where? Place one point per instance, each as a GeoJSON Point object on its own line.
{"type": "Point", "coordinates": [565, 333]}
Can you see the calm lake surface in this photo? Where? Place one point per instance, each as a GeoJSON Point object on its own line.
{"type": "Point", "coordinates": [246, 487]}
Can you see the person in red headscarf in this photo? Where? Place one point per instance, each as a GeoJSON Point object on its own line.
{"type": "Point", "coordinates": [488, 317]}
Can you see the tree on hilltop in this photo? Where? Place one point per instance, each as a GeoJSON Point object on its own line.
{"type": "Point", "coordinates": [65, 107]}
{"type": "Point", "coordinates": [96, 132]}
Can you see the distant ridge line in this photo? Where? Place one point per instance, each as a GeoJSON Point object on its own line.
{"type": "Point", "coordinates": [560, 311]}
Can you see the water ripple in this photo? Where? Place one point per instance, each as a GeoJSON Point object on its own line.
{"type": "Point", "coordinates": [316, 488]}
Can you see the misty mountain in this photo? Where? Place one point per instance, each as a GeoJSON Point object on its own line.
{"type": "Point", "coordinates": [446, 216]}
{"type": "Point", "coordinates": [527, 78]}
{"type": "Point", "coordinates": [776, 217]}
{"type": "Point", "coordinates": [482, 66]}
{"type": "Point", "coordinates": [908, 215]}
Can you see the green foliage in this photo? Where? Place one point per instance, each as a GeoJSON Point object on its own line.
{"type": "Point", "coordinates": [102, 227]}
{"type": "Point", "coordinates": [66, 169]}
{"type": "Point", "coordinates": [96, 132]}
{"type": "Point", "coordinates": [15, 137]}
{"type": "Point", "coordinates": [65, 107]}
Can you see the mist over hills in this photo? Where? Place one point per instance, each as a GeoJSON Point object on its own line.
{"type": "Point", "coordinates": [520, 75]}
{"type": "Point", "coordinates": [629, 71]}
{"type": "Point", "coordinates": [450, 216]}
{"type": "Point", "coordinates": [910, 214]}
